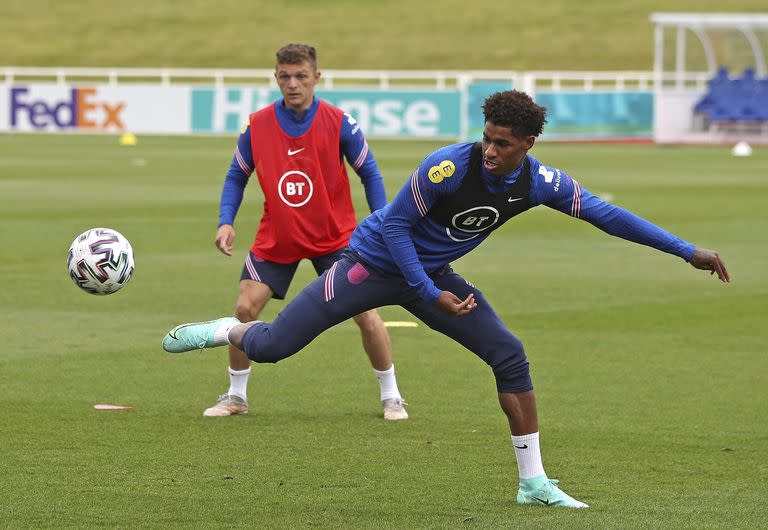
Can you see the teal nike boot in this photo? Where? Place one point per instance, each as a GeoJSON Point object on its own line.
{"type": "Point", "coordinates": [546, 494]}
{"type": "Point", "coordinates": [196, 335]}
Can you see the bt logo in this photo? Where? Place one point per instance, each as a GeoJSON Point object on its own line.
{"type": "Point", "coordinates": [83, 110]}
{"type": "Point", "coordinates": [477, 219]}
{"type": "Point", "coordinates": [295, 188]}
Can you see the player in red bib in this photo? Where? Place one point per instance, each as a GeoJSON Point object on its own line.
{"type": "Point", "coordinates": [297, 146]}
{"type": "Point", "coordinates": [307, 208]}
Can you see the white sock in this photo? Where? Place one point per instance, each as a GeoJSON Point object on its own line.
{"type": "Point", "coordinates": [221, 335]}
{"type": "Point", "coordinates": [528, 455]}
{"type": "Point", "coordinates": [238, 382]}
{"type": "Point", "coordinates": [387, 383]}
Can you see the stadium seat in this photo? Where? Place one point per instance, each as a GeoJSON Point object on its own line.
{"type": "Point", "coordinates": [742, 100]}
{"type": "Point", "coordinates": [748, 76]}
{"type": "Point", "coordinates": [760, 100]}
{"type": "Point", "coordinates": [716, 87]}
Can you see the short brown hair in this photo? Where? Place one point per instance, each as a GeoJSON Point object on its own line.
{"type": "Point", "coordinates": [297, 54]}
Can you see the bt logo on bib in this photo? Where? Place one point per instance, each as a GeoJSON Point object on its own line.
{"type": "Point", "coordinates": [295, 188]}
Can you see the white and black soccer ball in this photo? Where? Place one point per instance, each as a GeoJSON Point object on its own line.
{"type": "Point", "coordinates": [100, 261]}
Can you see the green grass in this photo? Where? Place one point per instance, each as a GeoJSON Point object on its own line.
{"type": "Point", "coordinates": [649, 374]}
{"type": "Point", "coordinates": [350, 34]}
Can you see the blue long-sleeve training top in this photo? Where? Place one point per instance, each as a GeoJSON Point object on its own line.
{"type": "Point", "coordinates": [402, 239]}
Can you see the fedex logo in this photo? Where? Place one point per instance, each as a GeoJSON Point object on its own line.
{"type": "Point", "coordinates": [81, 109]}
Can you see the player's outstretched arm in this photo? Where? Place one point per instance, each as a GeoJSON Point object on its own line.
{"type": "Point", "coordinates": [225, 238]}
{"type": "Point", "coordinates": [709, 260]}
{"type": "Point", "coordinates": [449, 303]}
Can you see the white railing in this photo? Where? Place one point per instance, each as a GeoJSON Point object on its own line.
{"type": "Point", "coordinates": [615, 80]}
{"type": "Point", "coordinates": [529, 81]}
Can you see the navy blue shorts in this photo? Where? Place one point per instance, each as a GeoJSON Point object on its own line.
{"type": "Point", "coordinates": [351, 286]}
{"type": "Point", "coordinates": [278, 276]}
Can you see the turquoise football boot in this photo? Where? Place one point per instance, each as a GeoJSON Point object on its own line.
{"type": "Point", "coordinates": [195, 335]}
{"type": "Point", "coordinates": [546, 494]}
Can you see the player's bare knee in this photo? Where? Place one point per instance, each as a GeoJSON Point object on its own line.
{"type": "Point", "coordinates": [369, 321]}
{"type": "Point", "coordinates": [251, 300]}
{"type": "Point", "coordinates": [245, 311]}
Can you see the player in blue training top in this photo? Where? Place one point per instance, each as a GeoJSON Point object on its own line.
{"type": "Point", "coordinates": [400, 255]}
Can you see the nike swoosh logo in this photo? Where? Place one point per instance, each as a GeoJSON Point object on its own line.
{"type": "Point", "coordinates": [511, 199]}
{"type": "Point", "coordinates": [525, 446]}
{"type": "Point", "coordinates": [175, 330]}
{"type": "Point", "coordinates": [291, 152]}
{"type": "Point", "coordinates": [542, 501]}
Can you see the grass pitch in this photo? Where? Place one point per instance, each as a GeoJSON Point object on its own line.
{"type": "Point", "coordinates": [649, 374]}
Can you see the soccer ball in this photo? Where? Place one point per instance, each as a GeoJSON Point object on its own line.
{"type": "Point", "coordinates": [100, 261]}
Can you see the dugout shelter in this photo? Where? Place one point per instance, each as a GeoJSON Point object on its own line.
{"type": "Point", "coordinates": [710, 79]}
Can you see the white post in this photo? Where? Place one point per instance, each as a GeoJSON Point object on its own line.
{"type": "Point", "coordinates": [529, 84]}
{"type": "Point", "coordinates": [463, 82]}
{"type": "Point", "coordinates": [658, 55]}
{"type": "Point", "coordinates": [440, 81]}
{"type": "Point", "coordinates": [680, 57]}
{"type": "Point", "coordinates": [658, 73]}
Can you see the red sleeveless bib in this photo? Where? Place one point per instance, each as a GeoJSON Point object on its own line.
{"type": "Point", "coordinates": [307, 205]}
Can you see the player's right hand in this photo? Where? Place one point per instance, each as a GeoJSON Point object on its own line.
{"type": "Point", "coordinates": [225, 238]}
{"type": "Point", "coordinates": [449, 303]}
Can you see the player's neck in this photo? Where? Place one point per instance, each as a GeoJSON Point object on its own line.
{"type": "Point", "coordinates": [299, 112]}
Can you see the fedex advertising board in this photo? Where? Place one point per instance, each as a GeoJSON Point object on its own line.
{"type": "Point", "coordinates": [101, 108]}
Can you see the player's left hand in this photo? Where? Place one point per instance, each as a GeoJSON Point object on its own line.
{"type": "Point", "coordinates": [453, 305]}
{"type": "Point", "coordinates": [709, 260]}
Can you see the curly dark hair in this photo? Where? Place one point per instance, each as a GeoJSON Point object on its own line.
{"type": "Point", "coordinates": [297, 54]}
{"type": "Point", "coordinates": [516, 110]}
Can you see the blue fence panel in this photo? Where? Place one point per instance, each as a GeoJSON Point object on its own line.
{"type": "Point", "coordinates": [608, 114]}
{"type": "Point", "coordinates": [381, 113]}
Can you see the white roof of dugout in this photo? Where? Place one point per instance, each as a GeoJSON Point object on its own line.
{"type": "Point", "coordinates": [698, 24]}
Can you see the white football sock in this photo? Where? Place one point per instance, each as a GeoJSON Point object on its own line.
{"type": "Point", "coordinates": [387, 383]}
{"type": "Point", "coordinates": [238, 382]}
{"type": "Point", "coordinates": [528, 455]}
{"type": "Point", "coordinates": [221, 335]}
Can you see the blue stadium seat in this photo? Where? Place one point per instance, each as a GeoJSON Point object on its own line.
{"type": "Point", "coordinates": [716, 86]}
{"type": "Point", "coordinates": [748, 75]}
{"type": "Point", "coordinates": [760, 100]}
{"type": "Point", "coordinates": [735, 100]}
